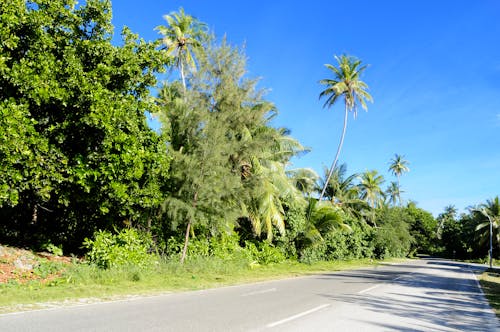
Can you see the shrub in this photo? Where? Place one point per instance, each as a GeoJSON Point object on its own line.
{"type": "Point", "coordinates": [264, 252]}
{"type": "Point", "coordinates": [128, 247]}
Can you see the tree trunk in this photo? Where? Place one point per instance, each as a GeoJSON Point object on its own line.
{"type": "Point", "coordinates": [336, 156]}
{"type": "Point", "coordinates": [399, 191]}
{"type": "Point", "coordinates": [188, 228]}
{"type": "Point", "coordinates": [34, 216]}
{"type": "Point", "coordinates": [182, 76]}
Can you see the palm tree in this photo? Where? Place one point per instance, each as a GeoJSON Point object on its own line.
{"type": "Point", "coordinates": [371, 192]}
{"type": "Point", "coordinates": [394, 193]}
{"type": "Point", "coordinates": [339, 186]}
{"type": "Point", "coordinates": [182, 37]}
{"type": "Point", "coordinates": [370, 188]}
{"type": "Point", "coordinates": [398, 166]}
{"type": "Point", "coordinates": [304, 179]}
{"type": "Point", "coordinates": [489, 212]}
{"type": "Point", "coordinates": [345, 84]}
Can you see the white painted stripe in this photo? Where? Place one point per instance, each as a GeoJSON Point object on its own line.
{"type": "Point", "coordinates": [260, 292]}
{"type": "Point", "coordinates": [310, 311]}
{"type": "Point", "coordinates": [373, 287]}
{"type": "Point", "coordinates": [477, 282]}
{"type": "Point", "coordinates": [369, 289]}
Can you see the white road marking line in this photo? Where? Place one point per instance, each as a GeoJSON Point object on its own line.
{"type": "Point", "coordinates": [369, 289]}
{"type": "Point", "coordinates": [260, 292]}
{"type": "Point", "coordinates": [373, 287]}
{"type": "Point", "coordinates": [477, 282]}
{"type": "Point", "coordinates": [310, 311]}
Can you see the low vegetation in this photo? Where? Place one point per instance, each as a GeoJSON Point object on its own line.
{"type": "Point", "coordinates": [490, 283]}
{"type": "Point", "coordinates": [72, 281]}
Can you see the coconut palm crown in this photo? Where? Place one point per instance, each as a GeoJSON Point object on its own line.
{"type": "Point", "coordinates": [346, 85]}
{"type": "Point", "coordinates": [182, 37]}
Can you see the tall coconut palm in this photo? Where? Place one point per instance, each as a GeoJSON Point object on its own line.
{"type": "Point", "coordinates": [398, 166]}
{"type": "Point", "coordinates": [347, 85]}
{"type": "Point", "coordinates": [182, 38]}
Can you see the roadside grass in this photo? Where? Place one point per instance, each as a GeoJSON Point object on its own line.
{"type": "Point", "coordinates": [490, 283]}
{"type": "Point", "coordinates": [82, 283]}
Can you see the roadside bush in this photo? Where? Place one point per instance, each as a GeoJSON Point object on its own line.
{"type": "Point", "coordinates": [264, 252]}
{"type": "Point", "coordinates": [128, 247]}
{"type": "Point", "coordinates": [313, 253]}
{"type": "Point", "coordinates": [392, 238]}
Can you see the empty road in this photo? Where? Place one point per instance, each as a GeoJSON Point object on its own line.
{"type": "Point", "coordinates": [422, 295]}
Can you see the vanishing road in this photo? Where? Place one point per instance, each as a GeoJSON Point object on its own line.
{"type": "Point", "coordinates": [422, 295]}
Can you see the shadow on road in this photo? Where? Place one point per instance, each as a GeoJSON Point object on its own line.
{"type": "Point", "coordinates": [427, 293]}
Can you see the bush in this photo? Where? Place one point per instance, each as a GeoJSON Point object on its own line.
{"type": "Point", "coordinates": [392, 238]}
{"type": "Point", "coordinates": [264, 252]}
{"type": "Point", "coordinates": [128, 247]}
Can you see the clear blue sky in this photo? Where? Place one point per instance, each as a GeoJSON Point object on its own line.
{"type": "Point", "coordinates": [434, 74]}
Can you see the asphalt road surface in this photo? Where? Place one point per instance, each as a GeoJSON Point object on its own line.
{"type": "Point", "coordinates": [423, 295]}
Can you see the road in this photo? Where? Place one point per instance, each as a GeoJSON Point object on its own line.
{"type": "Point", "coordinates": [422, 295]}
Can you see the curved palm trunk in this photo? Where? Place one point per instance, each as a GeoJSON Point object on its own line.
{"type": "Point", "coordinates": [182, 75]}
{"type": "Point", "coordinates": [336, 156]}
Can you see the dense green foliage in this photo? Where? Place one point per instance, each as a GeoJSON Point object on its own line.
{"type": "Point", "coordinates": [80, 164]}
{"type": "Point", "coordinates": [467, 236]}
{"type": "Point", "coordinates": [76, 154]}
{"type": "Point", "coordinates": [128, 247]}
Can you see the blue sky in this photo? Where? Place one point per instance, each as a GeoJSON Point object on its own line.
{"type": "Point", "coordinates": [434, 74]}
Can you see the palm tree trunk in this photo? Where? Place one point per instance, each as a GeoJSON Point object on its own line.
{"type": "Point", "coordinates": [399, 191]}
{"type": "Point", "coordinates": [336, 156]}
{"type": "Point", "coordinates": [188, 228]}
{"type": "Point", "coordinates": [182, 75]}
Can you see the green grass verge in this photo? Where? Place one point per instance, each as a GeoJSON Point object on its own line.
{"type": "Point", "coordinates": [84, 283]}
{"type": "Point", "coordinates": [490, 283]}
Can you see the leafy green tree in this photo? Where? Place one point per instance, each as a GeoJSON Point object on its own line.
{"type": "Point", "coordinates": [449, 214]}
{"type": "Point", "coordinates": [423, 228]}
{"type": "Point", "coordinates": [345, 84]}
{"type": "Point", "coordinates": [76, 152]}
{"type": "Point", "coordinates": [398, 166]}
{"type": "Point", "coordinates": [183, 38]}
{"type": "Point", "coordinates": [393, 238]}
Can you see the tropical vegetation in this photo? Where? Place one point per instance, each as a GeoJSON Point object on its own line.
{"type": "Point", "coordinates": [83, 172]}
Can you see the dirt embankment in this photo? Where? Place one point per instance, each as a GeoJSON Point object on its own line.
{"type": "Point", "coordinates": [21, 266]}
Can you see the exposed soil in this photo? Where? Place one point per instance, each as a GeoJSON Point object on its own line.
{"type": "Point", "coordinates": [20, 265]}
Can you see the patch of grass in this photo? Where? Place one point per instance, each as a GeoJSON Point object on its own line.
{"type": "Point", "coordinates": [490, 283]}
{"type": "Point", "coordinates": [81, 282]}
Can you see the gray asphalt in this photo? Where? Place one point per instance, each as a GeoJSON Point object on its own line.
{"type": "Point", "coordinates": [423, 295]}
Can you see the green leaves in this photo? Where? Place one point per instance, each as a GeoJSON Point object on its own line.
{"type": "Point", "coordinates": [74, 137]}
